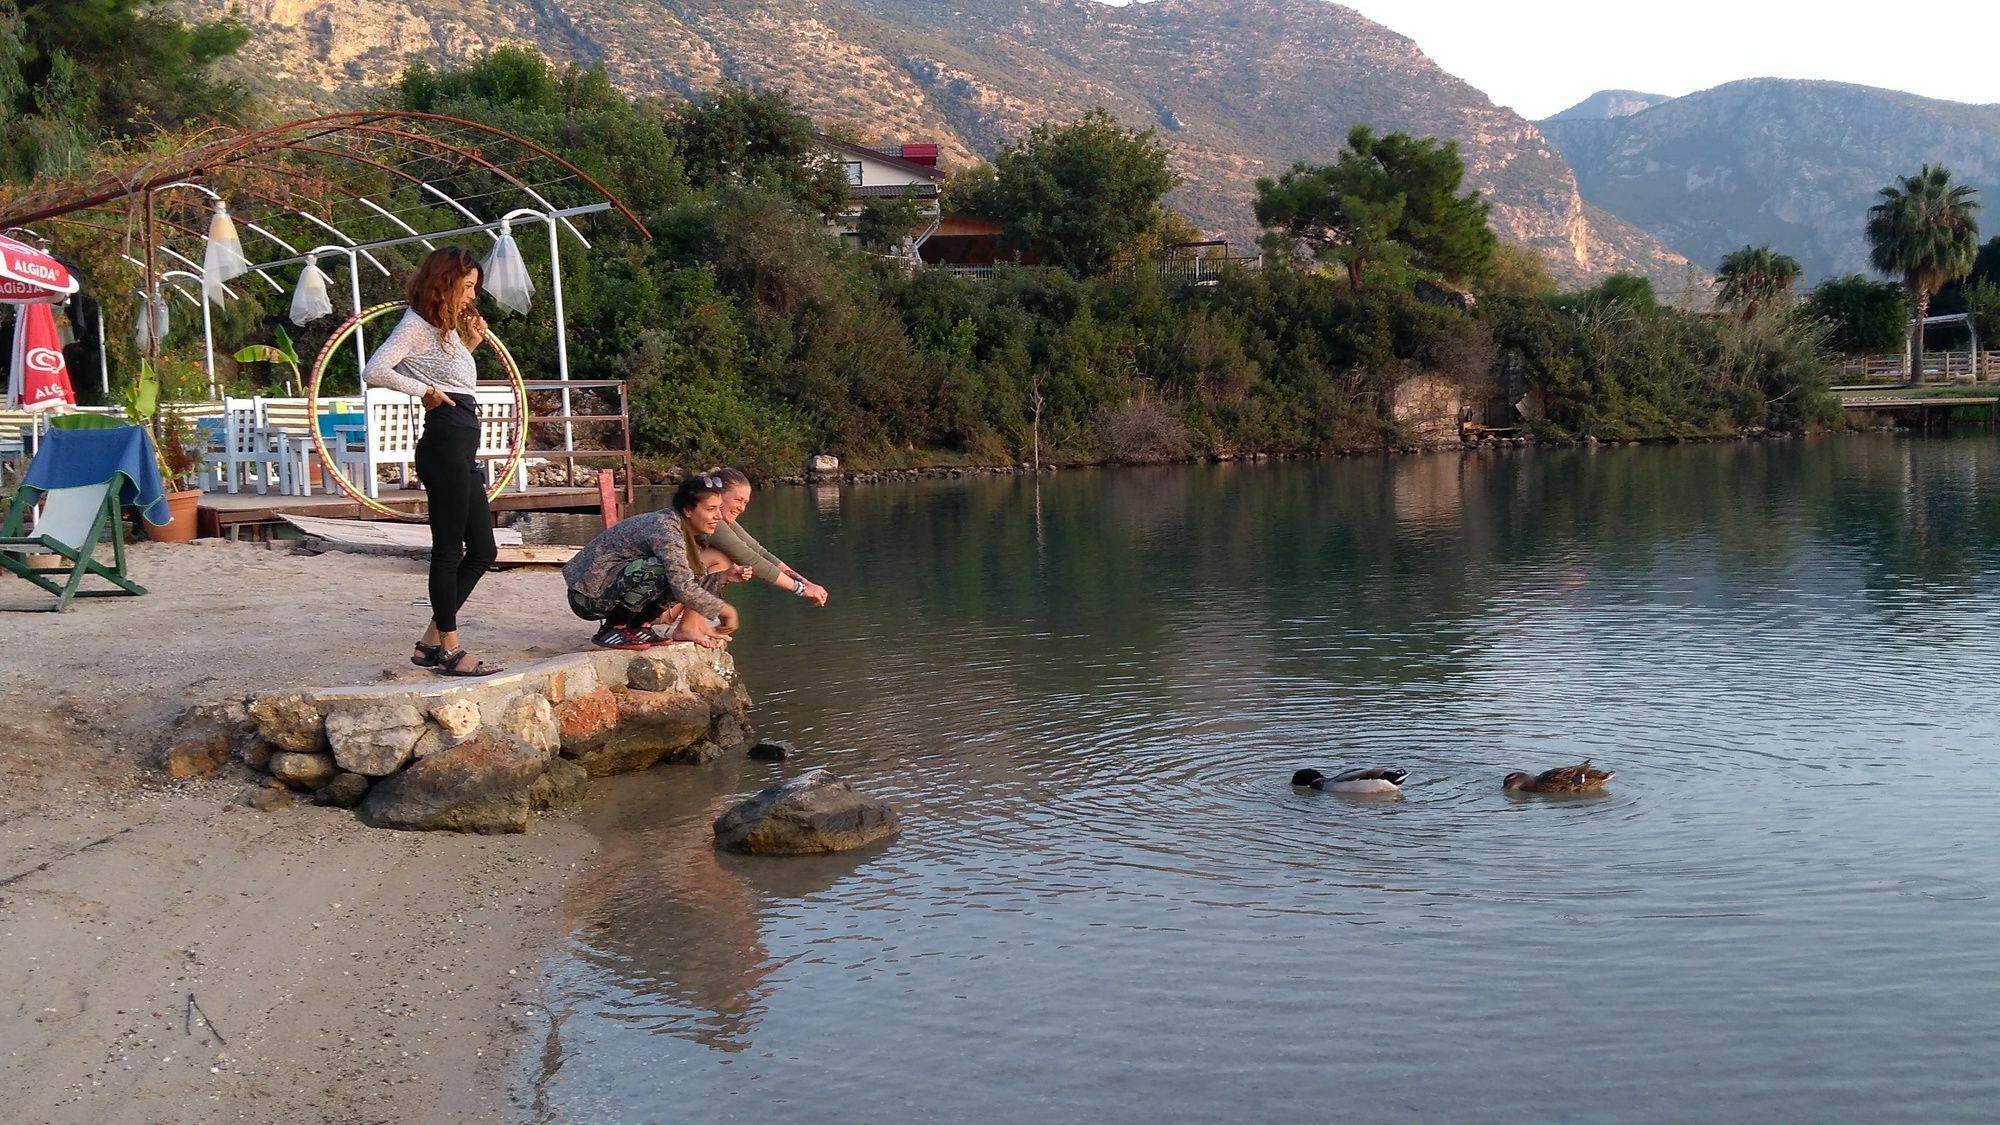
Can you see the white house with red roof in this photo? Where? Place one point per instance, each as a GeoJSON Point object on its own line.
{"type": "Point", "coordinates": [887, 171]}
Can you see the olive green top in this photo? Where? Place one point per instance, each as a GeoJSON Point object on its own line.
{"type": "Point", "coordinates": [742, 550]}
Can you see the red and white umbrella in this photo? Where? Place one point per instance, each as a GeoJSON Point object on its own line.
{"type": "Point", "coordinates": [28, 274]}
{"type": "Point", "coordinates": [38, 378]}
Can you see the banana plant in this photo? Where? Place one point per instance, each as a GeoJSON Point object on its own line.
{"type": "Point", "coordinates": [142, 397]}
{"type": "Point", "coordinates": [282, 352]}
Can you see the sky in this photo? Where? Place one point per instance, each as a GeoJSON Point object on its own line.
{"type": "Point", "coordinates": [1541, 56]}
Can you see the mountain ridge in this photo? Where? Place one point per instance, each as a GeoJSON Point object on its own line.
{"type": "Point", "coordinates": [1795, 163]}
{"type": "Point", "coordinates": [1237, 89]}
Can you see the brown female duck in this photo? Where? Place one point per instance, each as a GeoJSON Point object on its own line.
{"type": "Point", "coordinates": [1579, 778]}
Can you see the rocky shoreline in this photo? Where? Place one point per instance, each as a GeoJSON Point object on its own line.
{"type": "Point", "coordinates": [838, 476]}
{"type": "Point", "coordinates": [472, 755]}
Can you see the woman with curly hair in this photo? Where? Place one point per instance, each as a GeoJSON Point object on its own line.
{"type": "Point", "coordinates": [429, 355]}
{"type": "Point", "coordinates": [645, 570]}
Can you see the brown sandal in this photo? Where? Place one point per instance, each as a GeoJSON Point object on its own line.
{"type": "Point", "coordinates": [449, 665]}
{"type": "Point", "coordinates": [426, 656]}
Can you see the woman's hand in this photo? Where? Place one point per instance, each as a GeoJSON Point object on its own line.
{"type": "Point", "coordinates": [434, 398]}
{"type": "Point", "coordinates": [815, 593]}
{"type": "Point", "coordinates": [693, 627]}
{"type": "Point", "coordinates": [728, 619]}
{"type": "Point", "coordinates": [740, 574]}
{"type": "Point", "coordinates": [475, 327]}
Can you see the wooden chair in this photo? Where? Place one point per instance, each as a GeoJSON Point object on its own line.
{"type": "Point", "coordinates": [68, 526]}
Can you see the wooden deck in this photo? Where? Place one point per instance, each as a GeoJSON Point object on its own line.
{"type": "Point", "coordinates": [232, 514]}
{"type": "Point", "coordinates": [1925, 410]}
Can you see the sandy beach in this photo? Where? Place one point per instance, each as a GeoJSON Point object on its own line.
{"type": "Point", "coordinates": [350, 974]}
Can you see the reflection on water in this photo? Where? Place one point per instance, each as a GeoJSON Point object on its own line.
{"type": "Point", "coordinates": [1086, 697]}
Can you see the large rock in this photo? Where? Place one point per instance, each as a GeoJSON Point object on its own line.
{"type": "Point", "coordinates": [814, 812]}
{"type": "Point", "coordinates": [822, 464]}
{"type": "Point", "coordinates": [199, 756]}
{"type": "Point", "coordinates": [344, 791]}
{"type": "Point", "coordinates": [529, 720]}
{"type": "Point", "coordinates": [459, 717]}
{"type": "Point", "coordinates": [289, 722]}
{"type": "Point", "coordinates": [651, 725]}
{"type": "Point", "coordinates": [257, 754]}
{"type": "Point", "coordinates": [587, 720]}
{"type": "Point", "coordinates": [376, 740]}
{"type": "Point", "coordinates": [727, 732]}
{"type": "Point", "coordinates": [679, 668]}
{"type": "Point", "coordinates": [698, 753]}
{"type": "Point", "coordinates": [560, 789]}
{"type": "Point", "coordinates": [477, 786]}
{"type": "Point", "coordinates": [301, 770]}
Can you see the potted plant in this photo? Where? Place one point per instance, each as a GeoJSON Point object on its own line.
{"type": "Point", "coordinates": [177, 448]}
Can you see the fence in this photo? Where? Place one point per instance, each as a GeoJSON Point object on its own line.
{"type": "Point", "coordinates": [1939, 367]}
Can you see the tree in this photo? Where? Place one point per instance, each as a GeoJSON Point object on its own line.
{"type": "Point", "coordinates": [757, 138]}
{"type": "Point", "coordinates": [74, 72]}
{"type": "Point", "coordinates": [1628, 291]}
{"type": "Point", "coordinates": [1863, 316]}
{"type": "Point", "coordinates": [1982, 308]}
{"type": "Point", "coordinates": [969, 191]}
{"type": "Point", "coordinates": [1924, 232]}
{"type": "Point", "coordinates": [885, 222]}
{"type": "Point", "coordinates": [1077, 194]}
{"type": "Point", "coordinates": [1381, 197]}
{"type": "Point", "coordinates": [1755, 276]}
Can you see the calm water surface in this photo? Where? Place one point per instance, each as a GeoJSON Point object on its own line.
{"type": "Point", "coordinates": [1086, 697]}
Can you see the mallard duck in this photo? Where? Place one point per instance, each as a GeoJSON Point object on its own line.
{"type": "Point", "coordinates": [1366, 779]}
{"type": "Point", "coordinates": [1579, 778]}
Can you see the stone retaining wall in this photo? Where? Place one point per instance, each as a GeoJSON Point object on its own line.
{"type": "Point", "coordinates": [478, 755]}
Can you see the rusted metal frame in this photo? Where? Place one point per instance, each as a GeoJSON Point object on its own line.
{"type": "Point", "coordinates": [365, 122]}
{"type": "Point", "coordinates": [616, 203]}
{"type": "Point", "coordinates": [237, 149]}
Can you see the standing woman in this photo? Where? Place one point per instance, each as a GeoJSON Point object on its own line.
{"type": "Point", "coordinates": [430, 355]}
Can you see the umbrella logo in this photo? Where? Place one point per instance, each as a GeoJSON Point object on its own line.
{"type": "Point", "coordinates": [33, 268]}
{"type": "Point", "coordinates": [44, 360]}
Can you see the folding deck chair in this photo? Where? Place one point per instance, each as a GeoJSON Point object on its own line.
{"type": "Point", "coordinates": [75, 517]}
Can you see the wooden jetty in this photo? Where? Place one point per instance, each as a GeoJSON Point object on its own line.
{"type": "Point", "coordinates": [248, 515]}
{"type": "Point", "coordinates": [1925, 406]}
{"type": "Point", "coordinates": [384, 537]}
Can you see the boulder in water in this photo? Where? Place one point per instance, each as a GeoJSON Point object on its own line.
{"type": "Point", "coordinates": [812, 813]}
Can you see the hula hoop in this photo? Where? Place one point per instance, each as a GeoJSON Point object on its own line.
{"type": "Point", "coordinates": [332, 467]}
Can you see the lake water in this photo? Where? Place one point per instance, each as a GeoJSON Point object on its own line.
{"type": "Point", "coordinates": [1086, 697]}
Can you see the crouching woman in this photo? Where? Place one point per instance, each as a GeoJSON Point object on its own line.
{"type": "Point", "coordinates": [643, 574]}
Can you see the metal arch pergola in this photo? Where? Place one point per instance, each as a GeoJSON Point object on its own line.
{"type": "Point", "coordinates": [345, 184]}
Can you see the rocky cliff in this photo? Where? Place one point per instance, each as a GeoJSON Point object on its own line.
{"type": "Point", "coordinates": [1239, 88]}
{"type": "Point", "coordinates": [1795, 164]}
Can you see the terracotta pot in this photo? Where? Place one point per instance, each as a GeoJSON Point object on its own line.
{"type": "Point", "coordinates": [180, 527]}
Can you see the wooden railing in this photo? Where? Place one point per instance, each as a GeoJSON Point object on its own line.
{"type": "Point", "coordinates": [1199, 271]}
{"type": "Point", "coordinates": [1939, 367]}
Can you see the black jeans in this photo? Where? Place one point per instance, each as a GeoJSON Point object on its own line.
{"type": "Point", "coordinates": [461, 524]}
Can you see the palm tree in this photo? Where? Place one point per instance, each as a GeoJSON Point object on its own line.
{"type": "Point", "coordinates": [1755, 275]}
{"type": "Point", "coordinates": [1923, 231]}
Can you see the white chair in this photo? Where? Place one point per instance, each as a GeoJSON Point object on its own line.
{"type": "Point", "coordinates": [246, 446]}
{"type": "Point", "coordinates": [497, 422]}
{"type": "Point", "coordinates": [395, 422]}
